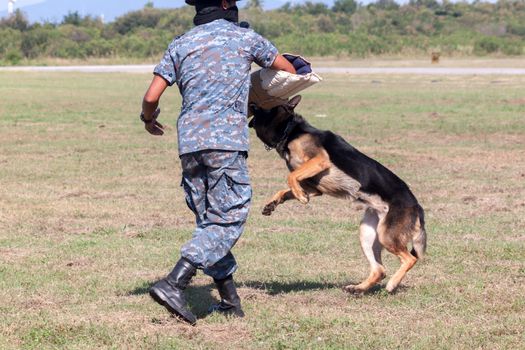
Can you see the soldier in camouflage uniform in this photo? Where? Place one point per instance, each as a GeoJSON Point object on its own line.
{"type": "Point", "coordinates": [211, 66]}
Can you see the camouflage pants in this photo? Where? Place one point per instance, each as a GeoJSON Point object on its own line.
{"type": "Point", "coordinates": [218, 191]}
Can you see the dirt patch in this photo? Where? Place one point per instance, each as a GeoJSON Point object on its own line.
{"type": "Point", "coordinates": [234, 334]}
{"type": "Point", "coordinates": [38, 303]}
{"type": "Point", "coordinates": [519, 102]}
{"type": "Point", "coordinates": [12, 255]}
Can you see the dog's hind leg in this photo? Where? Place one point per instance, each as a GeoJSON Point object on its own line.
{"type": "Point", "coordinates": [407, 262]}
{"type": "Point", "coordinates": [372, 251]}
{"type": "Point", "coordinates": [395, 239]}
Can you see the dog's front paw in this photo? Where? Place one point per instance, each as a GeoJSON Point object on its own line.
{"type": "Point", "coordinates": [269, 208]}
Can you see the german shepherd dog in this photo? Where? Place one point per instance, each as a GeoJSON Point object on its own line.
{"type": "Point", "coordinates": [321, 162]}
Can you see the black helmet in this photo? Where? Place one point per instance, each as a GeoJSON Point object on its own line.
{"type": "Point", "coordinates": [206, 2]}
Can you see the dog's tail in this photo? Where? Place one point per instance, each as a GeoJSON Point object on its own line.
{"type": "Point", "coordinates": [419, 239]}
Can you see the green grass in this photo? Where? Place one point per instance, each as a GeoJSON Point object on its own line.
{"type": "Point", "coordinates": [91, 213]}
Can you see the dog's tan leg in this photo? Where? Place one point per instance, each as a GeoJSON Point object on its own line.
{"type": "Point", "coordinates": [278, 198]}
{"type": "Point", "coordinates": [395, 238]}
{"type": "Point", "coordinates": [372, 251]}
{"type": "Point", "coordinates": [283, 196]}
{"type": "Point", "coordinates": [407, 262]}
{"type": "Point", "coordinates": [309, 169]}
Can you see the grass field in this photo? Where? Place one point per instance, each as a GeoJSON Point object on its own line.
{"type": "Point", "coordinates": [91, 213]}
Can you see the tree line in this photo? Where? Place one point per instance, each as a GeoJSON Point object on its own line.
{"type": "Point", "coordinates": [313, 29]}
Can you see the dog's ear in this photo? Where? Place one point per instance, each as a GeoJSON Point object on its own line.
{"type": "Point", "coordinates": [294, 102]}
{"type": "Point", "coordinates": [250, 124]}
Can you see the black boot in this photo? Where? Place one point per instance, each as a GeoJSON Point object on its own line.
{"type": "Point", "coordinates": [230, 302]}
{"type": "Point", "coordinates": [169, 292]}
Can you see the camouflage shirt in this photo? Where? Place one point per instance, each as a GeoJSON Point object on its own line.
{"type": "Point", "coordinates": [211, 66]}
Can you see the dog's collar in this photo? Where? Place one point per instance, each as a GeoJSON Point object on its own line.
{"type": "Point", "coordinates": [279, 146]}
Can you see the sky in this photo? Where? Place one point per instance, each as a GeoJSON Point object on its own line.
{"type": "Point", "coordinates": [54, 10]}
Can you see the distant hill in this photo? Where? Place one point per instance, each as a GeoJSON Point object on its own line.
{"type": "Point", "coordinates": [420, 27]}
{"type": "Point", "coordinates": [55, 10]}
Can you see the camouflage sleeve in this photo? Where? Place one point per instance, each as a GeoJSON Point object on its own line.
{"type": "Point", "coordinates": [166, 68]}
{"type": "Point", "coordinates": [263, 51]}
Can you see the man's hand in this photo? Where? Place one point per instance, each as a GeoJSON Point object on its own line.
{"type": "Point", "coordinates": [153, 126]}
{"type": "Point", "coordinates": [282, 63]}
{"type": "Point", "coordinates": [150, 104]}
